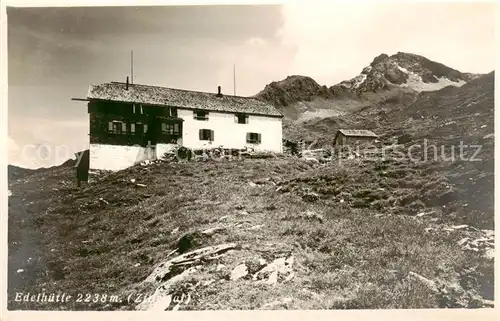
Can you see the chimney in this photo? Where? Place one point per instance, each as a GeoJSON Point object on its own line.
{"type": "Point", "coordinates": [126, 85]}
{"type": "Point", "coordinates": [219, 94]}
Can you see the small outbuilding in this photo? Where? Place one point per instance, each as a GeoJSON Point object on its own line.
{"type": "Point", "coordinates": [353, 137]}
{"type": "Point", "coordinates": [82, 166]}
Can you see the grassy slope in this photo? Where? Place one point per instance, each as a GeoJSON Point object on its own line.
{"type": "Point", "coordinates": [352, 258]}
{"type": "Point", "coordinates": [356, 255]}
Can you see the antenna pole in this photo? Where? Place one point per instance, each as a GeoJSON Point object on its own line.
{"type": "Point", "coordinates": [234, 80]}
{"type": "Point", "coordinates": [131, 66]}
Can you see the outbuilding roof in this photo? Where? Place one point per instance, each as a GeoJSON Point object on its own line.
{"type": "Point", "coordinates": [164, 96]}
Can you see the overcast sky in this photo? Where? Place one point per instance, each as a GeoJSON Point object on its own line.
{"type": "Point", "coordinates": [55, 53]}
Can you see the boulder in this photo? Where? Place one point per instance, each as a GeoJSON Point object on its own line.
{"type": "Point", "coordinates": [239, 272]}
{"type": "Point", "coordinates": [310, 197]}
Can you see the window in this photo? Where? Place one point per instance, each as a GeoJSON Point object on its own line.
{"type": "Point", "coordinates": [172, 112]}
{"type": "Point", "coordinates": [170, 129]}
{"type": "Point", "coordinates": [200, 115]}
{"type": "Point", "coordinates": [132, 128]}
{"type": "Point", "coordinates": [139, 128]}
{"type": "Point", "coordinates": [253, 138]}
{"type": "Point", "coordinates": [241, 118]}
{"type": "Point", "coordinates": [145, 128]}
{"type": "Point", "coordinates": [137, 109]}
{"type": "Point", "coordinates": [206, 134]}
{"type": "Point", "coordinates": [117, 127]}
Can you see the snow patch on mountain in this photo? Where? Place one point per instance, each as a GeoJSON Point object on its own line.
{"type": "Point", "coordinates": [320, 113]}
{"type": "Point", "coordinates": [416, 83]}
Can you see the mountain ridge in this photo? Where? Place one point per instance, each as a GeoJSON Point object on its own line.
{"type": "Point", "coordinates": [300, 97]}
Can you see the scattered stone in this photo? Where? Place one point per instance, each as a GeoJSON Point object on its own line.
{"type": "Point", "coordinates": [425, 281]}
{"type": "Point", "coordinates": [283, 268]}
{"type": "Point", "coordinates": [252, 184]}
{"type": "Point", "coordinates": [279, 188]}
{"type": "Point", "coordinates": [273, 278]}
{"type": "Point", "coordinates": [489, 303]}
{"type": "Point", "coordinates": [256, 227]}
{"type": "Point", "coordinates": [137, 264]}
{"type": "Point", "coordinates": [175, 230]}
{"type": "Point", "coordinates": [220, 267]}
{"type": "Point", "coordinates": [239, 207]}
{"type": "Point", "coordinates": [489, 136]}
{"type": "Point", "coordinates": [462, 241]}
{"type": "Point", "coordinates": [223, 218]}
{"type": "Point", "coordinates": [20, 270]}
{"type": "Point", "coordinates": [9, 193]}
{"type": "Point", "coordinates": [489, 233]}
{"type": "Point", "coordinates": [161, 298]}
{"type": "Point", "coordinates": [459, 227]}
{"type": "Point", "coordinates": [140, 185]}
{"type": "Point", "coordinates": [103, 200]}
{"type": "Point", "coordinates": [483, 126]}
{"type": "Point", "coordinates": [243, 212]}
{"type": "Point", "coordinates": [213, 230]}
{"type": "Point", "coordinates": [190, 258]}
{"type": "Point", "coordinates": [132, 180]}
{"type": "Point", "coordinates": [342, 200]}
{"type": "Point", "coordinates": [239, 272]}
{"type": "Point", "coordinates": [424, 213]}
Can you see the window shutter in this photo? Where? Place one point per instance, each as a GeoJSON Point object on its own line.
{"type": "Point", "coordinates": [248, 137]}
{"type": "Point", "coordinates": [145, 128]}
{"type": "Point", "coordinates": [212, 135]}
{"type": "Point", "coordinates": [110, 126]}
{"type": "Point", "coordinates": [132, 128]}
{"type": "Point", "coordinates": [124, 127]}
{"type": "Point", "coordinates": [259, 138]}
{"type": "Point", "coordinates": [246, 119]}
{"type": "Point", "coordinates": [200, 134]}
{"type": "Point", "coordinates": [236, 118]}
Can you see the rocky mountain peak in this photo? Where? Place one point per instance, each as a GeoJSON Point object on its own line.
{"type": "Point", "coordinates": [406, 70]}
{"type": "Point", "coordinates": [293, 89]}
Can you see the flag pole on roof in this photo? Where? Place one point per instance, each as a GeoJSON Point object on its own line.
{"type": "Point", "coordinates": [131, 66]}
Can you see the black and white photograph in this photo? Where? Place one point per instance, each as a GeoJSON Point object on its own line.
{"type": "Point", "coordinates": [304, 155]}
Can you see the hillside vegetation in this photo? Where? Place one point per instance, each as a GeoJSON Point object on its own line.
{"type": "Point", "coordinates": [359, 231]}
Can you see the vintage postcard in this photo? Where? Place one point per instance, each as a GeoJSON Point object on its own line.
{"type": "Point", "coordinates": [297, 156]}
